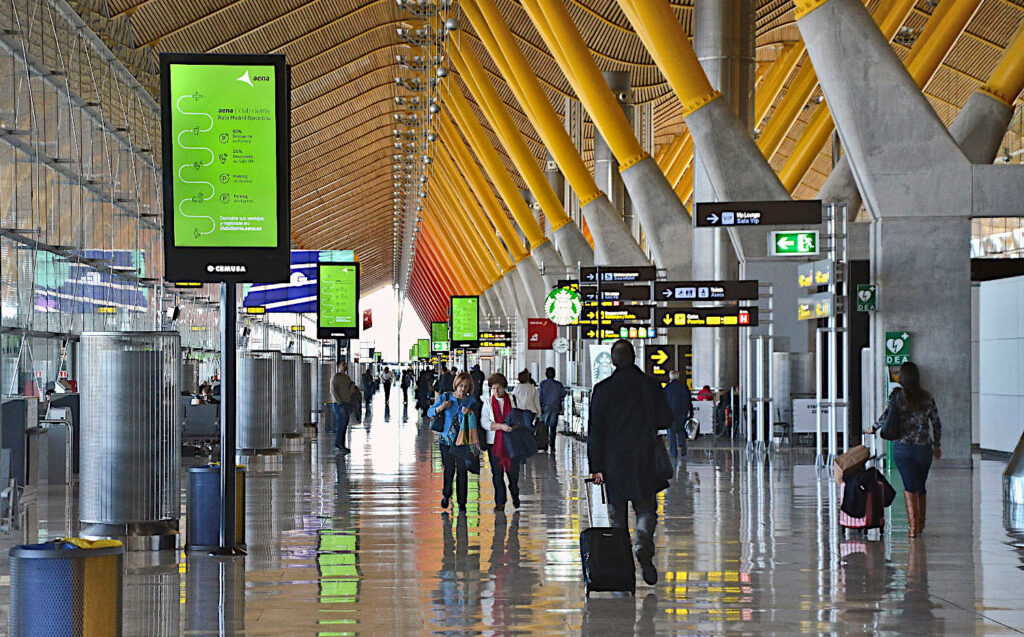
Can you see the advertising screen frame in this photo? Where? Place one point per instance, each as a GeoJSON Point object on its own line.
{"type": "Point", "coordinates": [433, 348]}
{"type": "Point", "coordinates": [325, 331]}
{"type": "Point", "coordinates": [461, 344]}
{"type": "Point", "coordinates": [423, 351]}
{"type": "Point", "coordinates": [229, 264]}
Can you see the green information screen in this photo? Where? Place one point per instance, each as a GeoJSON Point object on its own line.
{"type": "Point", "coordinates": [439, 337]}
{"type": "Point", "coordinates": [465, 320]}
{"type": "Point", "coordinates": [338, 299]}
{"type": "Point", "coordinates": [223, 155]}
{"type": "Point", "coordinates": [423, 348]}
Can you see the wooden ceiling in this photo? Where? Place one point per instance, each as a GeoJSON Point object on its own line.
{"type": "Point", "coordinates": [343, 52]}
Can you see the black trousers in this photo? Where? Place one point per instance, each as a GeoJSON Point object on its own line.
{"type": "Point", "coordinates": [498, 476]}
{"type": "Point", "coordinates": [453, 468]}
{"type": "Point", "coordinates": [387, 392]}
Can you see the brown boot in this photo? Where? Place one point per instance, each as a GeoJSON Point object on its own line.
{"type": "Point", "coordinates": [922, 511]}
{"type": "Point", "coordinates": [911, 501]}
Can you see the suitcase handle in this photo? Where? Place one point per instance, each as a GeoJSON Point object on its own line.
{"type": "Point", "coordinates": [590, 505]}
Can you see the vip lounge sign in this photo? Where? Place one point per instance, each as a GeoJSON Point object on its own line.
{"type": "Point", "coordinates": [897, 348]}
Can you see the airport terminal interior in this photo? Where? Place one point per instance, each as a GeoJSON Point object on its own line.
{"type": "Point", "coordinates": [750, 271]}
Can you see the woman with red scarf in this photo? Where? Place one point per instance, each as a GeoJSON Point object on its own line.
{"type": "Point", "coordinates": [492, 420]}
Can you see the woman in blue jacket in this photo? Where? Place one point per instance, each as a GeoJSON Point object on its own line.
{"type": "Point", "coordinates": [455, 406]}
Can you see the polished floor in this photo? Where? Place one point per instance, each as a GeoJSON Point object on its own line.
{"type": "Point", "coordinates": [358, 545]}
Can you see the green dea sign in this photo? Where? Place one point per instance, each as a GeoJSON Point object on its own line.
{"type": "Point", "coordinates": [867, 298]}
{"type": "Point", "coordinates": [226, 161]}
{"type": "Point", "coordinates": [800, 243]}
{"type": "Point", "coordinates": [897, 348]}
{"type": "Point", "coordinates": [563, 306]}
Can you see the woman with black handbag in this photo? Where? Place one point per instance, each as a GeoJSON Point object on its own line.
{"type": "Point", "coordinates": [454, 407]}
{"type": "Point", "coordinates": [911, 420]}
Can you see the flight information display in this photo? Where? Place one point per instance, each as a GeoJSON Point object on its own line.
{"type": "Point", "coordinates": [338, 300]}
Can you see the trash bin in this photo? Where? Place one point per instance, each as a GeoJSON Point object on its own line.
{"type": "Point", "coordinates": [203, 508]}
{"type": "Point", "coordinates": [67, 587]}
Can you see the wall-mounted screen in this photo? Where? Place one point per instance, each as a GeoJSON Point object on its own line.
{"type": "Point", "coordinates": [465, 320]}
{"type": "Point", "coordinates": [338, 300]}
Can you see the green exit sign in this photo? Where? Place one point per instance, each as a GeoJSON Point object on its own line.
{"type": "Point", "coordinates": [800, 243]}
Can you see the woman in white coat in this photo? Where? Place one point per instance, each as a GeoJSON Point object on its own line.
{"type": "Point", "coordinates": [526, 397]}
{"type": "Point", "coordinates": [492, 419]}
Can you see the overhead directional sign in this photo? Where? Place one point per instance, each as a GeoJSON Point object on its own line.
{"type": "Point", "coordinates": [492, 338]}
{"type": "Point", "coordinates": [756, 213]}
{"type": "Point", "coordinates": [620, 329]}
{"type": "Point", "coordinates": [659, 360]}
{"type": "Point", "coordinates": [815, 306]}
{"type": "Point", "coordinates": [813, 274]}
{"type": "Point", "coordinates": [633, 313]}
{"type": "Point", "coordinates": [705, 290]}
{"type": "Point", "coordinates": [617, 274]}
{"type": "Point", "coordinates": [800, 243]}
{"type": "Point", "coordinates": [706, 317]}
{"type": "Point", "coordinates": [616, 292]}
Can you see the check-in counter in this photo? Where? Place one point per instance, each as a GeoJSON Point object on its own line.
{"type": "Point", "coordinates": [202, 422]}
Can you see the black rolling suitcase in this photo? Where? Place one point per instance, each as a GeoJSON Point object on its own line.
{"type": "Point", "coordinates": [607, 557]}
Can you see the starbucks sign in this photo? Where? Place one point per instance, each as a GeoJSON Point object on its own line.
{"type": "Point", "coordinates": [563, 306]}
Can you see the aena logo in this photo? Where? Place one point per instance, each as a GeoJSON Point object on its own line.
{"type": "Point", "coordinates": [255, 78]}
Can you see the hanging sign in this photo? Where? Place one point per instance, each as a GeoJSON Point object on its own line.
{"type": "Point", "coordinates": [465, 317]}
{"type": "Point", "coordinates": [615, 292]}
{"type": "Point", "coordinates": [540, 333]}
{"type": "Point", "coordinates": [634, 313]}
{"type": "Point", "coordinates": [706, 317]}
{"type": "Point", "coordinates": [617, 274]}
{"type": "Point", "coordinates": [813, 274]}
{"type": "Point", "coordinates": [563, 305]}
{"type": "Point", "coordinates": [815, 306]}
{"type": "Point", "coordinates": [337, 300]}
{"type": "Point", "coordinates": [705, 290]}
{"type": "Point", "coordinates": [659, 360]}
{"type": "Point", "coordinates": [367, 319]}
{"type": "Point", "coordinates": [491, 338]}
{"type": "Point", "coordinates": [226, 155]}
{"type": "Point", "coordinates": [799, 243]}
{"type": "Point", "coordinates": [756, 213]}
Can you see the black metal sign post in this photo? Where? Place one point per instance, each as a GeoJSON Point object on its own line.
{"type": "Point", "coordinates": [227, 421]}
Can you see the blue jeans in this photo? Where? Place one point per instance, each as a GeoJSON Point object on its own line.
{"type": "Point", "coordinates": [342, 413]}
{"type": "Point", "coordinates": [550, 417]}
{"type": "Point", "coordinates": [913, 462]}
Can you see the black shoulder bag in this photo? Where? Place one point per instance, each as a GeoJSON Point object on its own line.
{"type": "Point", "coordinates": [437, 424]}
{"type": "Point", "coordinates": [889, 426]}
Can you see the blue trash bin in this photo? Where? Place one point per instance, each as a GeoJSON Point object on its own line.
{"type": "Point", "coordinates": [58, 588]}
{"type": "Point", "coordinates": [203, 508]}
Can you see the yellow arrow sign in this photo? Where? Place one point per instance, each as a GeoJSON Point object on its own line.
{"type": "Point", "coordinates": [659, 357]}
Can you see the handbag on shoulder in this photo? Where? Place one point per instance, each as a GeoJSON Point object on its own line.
{"type": "Point", "coordinates": [437, 424]}
{"type": "Point", "coordinates": [889, 426]}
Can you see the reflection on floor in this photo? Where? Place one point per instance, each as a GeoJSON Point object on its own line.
{"type": "Point", "coordinates": [358, 545]}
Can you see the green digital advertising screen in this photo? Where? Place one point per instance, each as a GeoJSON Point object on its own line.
{"type": "Point", "coordinates": [465, 320]}
{"type": "Point", "coordinates": [423, 348]}
{"type": "Point", "coordinates": [226, 165]}
{"type": "Point", "coordinates": [439, 337]}
{"type": "Point", "coordinates": [338, 300]}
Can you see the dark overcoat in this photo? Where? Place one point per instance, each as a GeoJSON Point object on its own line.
{"type": "Point", "coordinates": [626, 411]}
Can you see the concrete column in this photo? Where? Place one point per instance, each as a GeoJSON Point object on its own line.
{"type": "Point", "coordinates": [723, 38]}
{"type": "Point", "coordinates": [606, 166]}
{"type": "Point", "coordinates": [917, 185]}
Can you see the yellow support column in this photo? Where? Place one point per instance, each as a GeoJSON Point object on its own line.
{"type": "Point", "coordinates": [563, 39]}
{"type": "Point", "coordinates": [449, 204]}
{"type": "Point", "coordinates": [456, 225]}
{"type": "Point", "coordinates": [574, 247]}
{"type": "Point", "coordinates": [483, 149]}
{"type": "Point", "coordinates": [775, 79]}
{"type": "Point", "coordinates": [469, 168]}
{"type": "Point", "coordinates": [1007, 80]}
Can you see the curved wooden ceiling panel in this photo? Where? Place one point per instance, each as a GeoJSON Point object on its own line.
{"type": "Point", "coordinates": [343, 52]}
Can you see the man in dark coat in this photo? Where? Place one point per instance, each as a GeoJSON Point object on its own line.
{"type": "Point", "coordinates": [682, 409]}
{"type": "Point", "coordinates": [626, 411]}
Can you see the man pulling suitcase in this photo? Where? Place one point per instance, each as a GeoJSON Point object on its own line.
{"type": "Point", "coordinates": [626, 411]}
